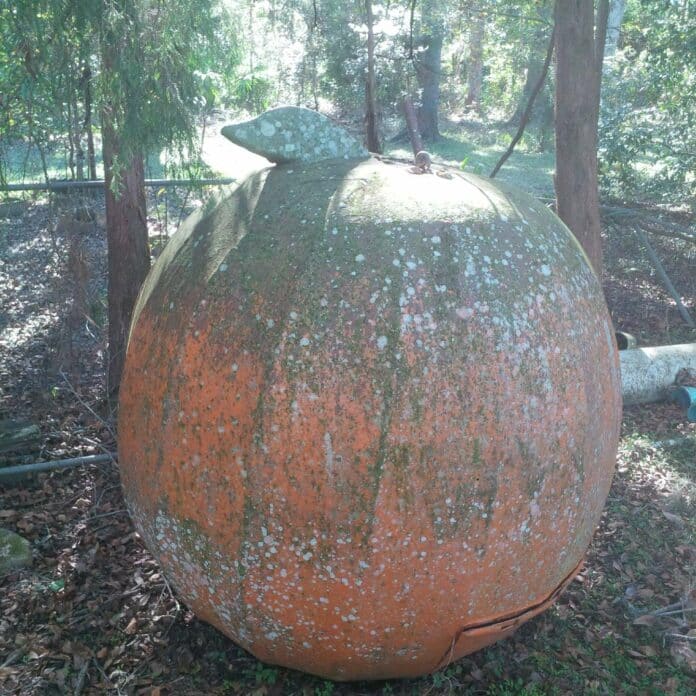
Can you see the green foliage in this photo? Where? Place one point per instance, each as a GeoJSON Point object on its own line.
{"type": "Point", "coordinates": [513, 687]}
{"type": "Point", "coordinates": [264, 674]}
{"type": "Point", "coordinates": [152, 70]}
{"type": "Point", "coordinates": [167, 65]}
{"type": "Point", "coordinates": [326, 688]}
{"type": "Point", "coordinates": [252, 92]}
{"type": "Point", "coordinates": [152, 85]}
{"type": "Point", "coordinates": [648, 120]}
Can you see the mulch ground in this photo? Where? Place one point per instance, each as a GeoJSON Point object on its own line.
{"type": "Point", "coordinates": [95, 614]}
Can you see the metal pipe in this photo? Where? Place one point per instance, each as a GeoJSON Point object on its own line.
{"type": "Point", "coordinates": [648, 373]}
{"type": "Point", "coordinates": [57, 464]}
{"type": "Point", "coordinates": [99, 183]}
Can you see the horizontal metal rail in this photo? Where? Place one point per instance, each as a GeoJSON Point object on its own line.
{"type": "Point", "coordinates": [99, 183]}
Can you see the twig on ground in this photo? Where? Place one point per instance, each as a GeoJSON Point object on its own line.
{"type": "Point", "coordinates": [80, 684]}
{"type": "Point", "coordinates": [84, 404]}
{"type": "Point", "coordinates": [107, 514]}
{"type": "Point", "coordinates": [680, 636]}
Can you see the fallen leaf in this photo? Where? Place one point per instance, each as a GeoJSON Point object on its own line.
{"type": "Point", "coordinates": [684, 657]}
{"type": "Point", "coordinates": [132, 627]}
{"type": "Point", "coordinates": [646, 620]}
{"type": "Point", "coordinates": [675, 519]}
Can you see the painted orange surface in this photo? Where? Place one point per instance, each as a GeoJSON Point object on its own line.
{"type": "Point", "coordinates": [369, 419]}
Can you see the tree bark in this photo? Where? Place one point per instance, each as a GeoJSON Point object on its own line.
{"type": "Point", "coordinates": [428, 70]}
{"type": "Point", "coordinates": [474, 67]}
{"type": "Point", "coordinates": [91, 157]}
{"type": "Point", "coordinates": [371, 120]}
{"type": "Point", "coordinates": [616, 13]}
{"type": "Point", "coordinates": [127, 243]}
{"type": "Point", "coordinates": [412, 126]}
{"type": "Point", "coordinates": [579, 55]}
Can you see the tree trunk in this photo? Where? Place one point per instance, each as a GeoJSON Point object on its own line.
{"type": "Point", "coordinates": [371, 123]}
{"type": "Point", "coordinates": [616, 13]}
{"type": "Point", "coordinates": [127, 241]}
{"type": "Point", "coordinates": [77, 134]}
{"type": "Point", "coordinates": [579, 56]}
{"type": "Point", "coordinates": [428, 71]}
{"type": "Point", "coordinates": [474, 67]}
{"type": "Point", "coordinates": [412, 126]}
{"type": "Point", "coordinates": [91, 157]}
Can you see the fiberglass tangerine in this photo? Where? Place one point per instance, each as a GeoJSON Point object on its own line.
{"type": "Point", "coordinates": [369, 418]}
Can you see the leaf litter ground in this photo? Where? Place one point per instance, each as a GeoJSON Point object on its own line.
{"type": "Point", "coordinates": [95, 614]}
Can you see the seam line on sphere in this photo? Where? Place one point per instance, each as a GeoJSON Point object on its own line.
{"type": "Point", "coordinates": [513, 619]}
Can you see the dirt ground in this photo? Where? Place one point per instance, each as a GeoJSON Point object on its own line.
{"type": "Point", "coordinates": [95, 614]}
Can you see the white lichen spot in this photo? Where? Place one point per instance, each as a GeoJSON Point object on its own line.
{"type": "Point", "coordinates": [304, 341]}
{"type": "Point", "coordinates": [267, 128]}
{"type": "Point", "coordinates": [360, 258]}
{"type": "Point", "coordinates": [396, 263]}
{"type": "Point", "coordinates": [382, 342]}
{"type": "Point", "coordinates": [545, 270]}
{"type": "Point", "coordinates": [435, 239]}
{"type": "Point", "coordinates": [328, 448]}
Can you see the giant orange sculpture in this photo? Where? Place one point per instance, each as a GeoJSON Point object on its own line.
{"type": "Point", "coordinates": [369, 416]}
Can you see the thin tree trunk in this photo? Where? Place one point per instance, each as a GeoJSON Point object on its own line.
{"type": "Point", "coordinates": [412, 126]}
{"type": "Point", "coordinates": [578, 78]}
{"type": "Point", "coordinates": [71, 138]}
{"type": "Point", "coordinates": [535, 65]}
{"type": "Point", "coordinates": [371, 125]}
{"type": "Point", "coordinates": [616, 13]}
{"type": "Point", "coordinates": [474, 68]}
{"type": "Point", "coordinates": [91, 157]}
{"type": "Point", "coordinates": [428, 71]}
{"type": "Point", "coordinates": [528, 109]}
{"type": "Point", "coordinates": [128, 253]}
{"type": "Point", "coordinates": [79, 152]}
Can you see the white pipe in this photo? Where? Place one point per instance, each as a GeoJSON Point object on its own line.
{"type": "Point", "coordinates": [647, 373]}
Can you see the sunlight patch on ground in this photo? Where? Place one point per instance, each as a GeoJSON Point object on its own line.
{"type": "Point", "coordinates": [669, 470]}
